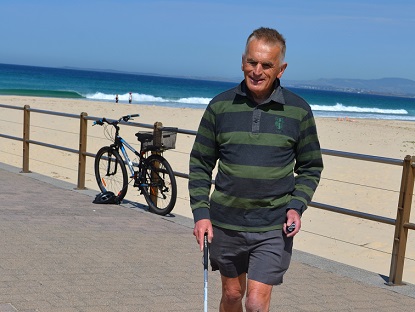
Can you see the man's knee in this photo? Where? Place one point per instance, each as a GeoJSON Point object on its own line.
{"type": "Point", "coordinates": [233, 290]}
{"type": "Point", "coordinates": [256, 304]}
{"type": "Point", "coordinates": [232, 295]}
{"type": "Point", "coordinates": [258, 297]}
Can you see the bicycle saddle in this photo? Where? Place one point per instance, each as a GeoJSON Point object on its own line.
{"type": "Point", "coordinates": [144, 137]}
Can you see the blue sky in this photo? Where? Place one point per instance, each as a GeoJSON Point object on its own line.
{"type": "Point", "coordinates": [361, 39]}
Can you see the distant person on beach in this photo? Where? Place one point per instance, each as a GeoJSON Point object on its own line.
{"type": "Point", "coordinates": [116, 98]}
{"type": "Point", "coordinates": [269, 165]}
{"type": "Point", "coordinates": [130, 98]}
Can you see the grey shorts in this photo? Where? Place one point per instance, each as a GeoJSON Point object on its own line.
{"type": "Point", "coordinates": [265, 257]}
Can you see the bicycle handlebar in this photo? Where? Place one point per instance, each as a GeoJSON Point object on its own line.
{"type": "Point", "coordinates": [125, 118]}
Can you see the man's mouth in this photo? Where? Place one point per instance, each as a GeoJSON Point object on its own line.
{"type": "Point", "coordinates": [255, 81]}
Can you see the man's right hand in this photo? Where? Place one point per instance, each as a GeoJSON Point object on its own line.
{"type": "Point", "coordinates": [201, 227]}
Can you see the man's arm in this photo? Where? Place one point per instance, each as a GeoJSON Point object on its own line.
{"type": "Point", "coordinates": [202, 162]}
{"type": "Point", "coordinates": [309, 165]}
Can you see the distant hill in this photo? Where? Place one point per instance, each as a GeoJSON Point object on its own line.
{"type": "Point", "coordinates": [384, 86]}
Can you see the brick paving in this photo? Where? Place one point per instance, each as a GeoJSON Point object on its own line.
{"type": "Point", "coordinates": [60, 252]}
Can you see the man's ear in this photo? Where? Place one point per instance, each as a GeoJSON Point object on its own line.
{"type": "Point", "coordinates": [282, 69]}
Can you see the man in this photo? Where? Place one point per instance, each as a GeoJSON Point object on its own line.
{"type": "Point", "coordinates": [260, 134]}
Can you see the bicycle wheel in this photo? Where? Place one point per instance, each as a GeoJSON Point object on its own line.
{"type": "Point", "coordinates": [110, 172]}
{"type": "Point", "coordinates": [159, 186]}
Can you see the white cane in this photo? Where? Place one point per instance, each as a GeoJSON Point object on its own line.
{"type": "Point", "coordinates": [205, 266]}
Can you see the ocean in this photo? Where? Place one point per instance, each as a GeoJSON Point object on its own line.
{"type": "Point", "coordinates": [182, 92]}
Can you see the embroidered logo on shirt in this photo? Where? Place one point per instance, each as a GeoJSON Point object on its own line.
{"type": "Point", "coordinates": [279, 123]}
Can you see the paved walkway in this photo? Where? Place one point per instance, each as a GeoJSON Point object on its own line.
{"type": "Point", "coordinates": [60, 252]}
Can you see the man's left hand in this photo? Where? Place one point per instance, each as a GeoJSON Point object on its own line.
{"type": "Point", "coordinates": [292, 217]}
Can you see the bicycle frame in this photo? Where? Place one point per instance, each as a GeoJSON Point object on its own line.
{"type": "Point", "coordinates": [121, 144]}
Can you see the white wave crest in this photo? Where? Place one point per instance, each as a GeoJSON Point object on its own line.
{"type": "Point", "coordinates": [100, 96]}
{"type": "Point", "coordinates": [194, 100]}
{"type": "Point", "coordinates": [354, 109]}
{"type": "Point", "coordinates": [143, 98]}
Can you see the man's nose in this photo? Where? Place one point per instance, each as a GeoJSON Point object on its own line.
{"type": "Point", "coordinates": [258, 69]}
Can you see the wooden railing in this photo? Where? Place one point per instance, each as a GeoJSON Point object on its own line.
{"type": "Point", "coordinates": [401, 223]}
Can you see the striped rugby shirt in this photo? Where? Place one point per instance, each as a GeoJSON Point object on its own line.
{"type": "Point", "coordinates": [268, 159]}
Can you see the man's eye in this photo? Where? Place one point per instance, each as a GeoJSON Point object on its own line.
{"type": "Point", "coordinates": [252, 63]}
{"type": "Point", "coordinates": [266, 66]}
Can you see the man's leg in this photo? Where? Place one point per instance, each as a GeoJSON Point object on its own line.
{"type": "Point", "coordinates": [258, 297]}
{"type": "Point", "coordinates": [233, 291]}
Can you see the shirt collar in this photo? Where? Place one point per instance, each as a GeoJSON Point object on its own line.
{"type": "Point", "coordinates": [276, 95]}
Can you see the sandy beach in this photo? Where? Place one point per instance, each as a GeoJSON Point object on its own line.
{"type": "Point", "coordinates": [357, 185]}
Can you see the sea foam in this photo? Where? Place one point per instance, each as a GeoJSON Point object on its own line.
{"type": "Point", "coordinates": [145, 98]}
{"type": "Point", "coordinates": [354, 109]}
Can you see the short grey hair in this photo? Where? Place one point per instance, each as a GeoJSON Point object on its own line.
{"type": "Point", "coordinates": [269, 35]}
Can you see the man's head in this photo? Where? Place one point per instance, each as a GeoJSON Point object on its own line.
{"type": "Point", "coordinates": [263, 61]}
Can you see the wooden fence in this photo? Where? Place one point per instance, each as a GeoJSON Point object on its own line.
{"type": "Point", "coordinates": [401, 223]}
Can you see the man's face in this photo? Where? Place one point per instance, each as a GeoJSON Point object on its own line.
{"type": "Point", "coordinates": [261, 66]}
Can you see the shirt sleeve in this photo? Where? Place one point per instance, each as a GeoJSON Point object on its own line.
{"type": "Point", "coordinates": [308, 166]}
{"type": "Point", "coordinates": [203, 159]}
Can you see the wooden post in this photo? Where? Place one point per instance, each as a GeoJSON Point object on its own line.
{"type": "Point", "coordinates": [157, 136]}
{"type": "Point", "coordinates": [157, 133]}
{"type": "Point", "coordinates": [403, 214]}
{"type": "Point", "coordinates": [26, 138]}
{"type": "Point", "coordinates": [83, 129]}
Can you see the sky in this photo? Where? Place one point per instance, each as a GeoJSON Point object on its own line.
{"type": "Point", "coordinates": [354, 39]}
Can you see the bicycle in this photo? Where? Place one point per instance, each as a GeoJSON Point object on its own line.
{"type": "Point", "coordinates": [152, 174]}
